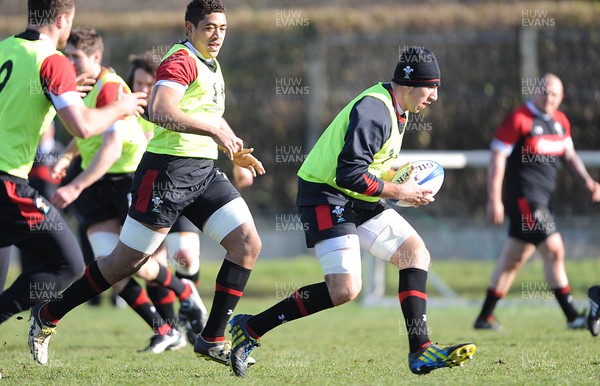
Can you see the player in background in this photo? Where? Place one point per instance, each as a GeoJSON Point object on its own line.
{"type": "Point", "coordinates": [525, 153]}
{"type": "Point", "coordinates": [36, 83]}
{"type": "Point", "coordinates": [108, 162]}
{"type": "Point", "coordinates": [88, 255]}
{"type": "Point", "coordinates": [47, 154]}
{"type": "Point", "coordinates": [340, 188]}
{"type": "Point", "coordinates": [177, 176]}
{"type": "Point", "coordinates": [40, 179]}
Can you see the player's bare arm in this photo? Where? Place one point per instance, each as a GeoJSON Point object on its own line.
{"type": "Point", "coordinates": [243, 158]}
{"type": "Point", "coordinates": [495, 207]}
{"type": "Point", "coordinates": [225, 125]}
{"type": "Point", "coordinates": [85, 83]}
{"type": "Point", "coordinates": [59, 169]}
{"type": "Point", "coordinates": [576, 166]}
{"type": "Point", "coordinates": [84, 122]}
{"type": "Point", "coordinates": [163, 110]}
{"type": "Point", "coordinates": [107, 155]}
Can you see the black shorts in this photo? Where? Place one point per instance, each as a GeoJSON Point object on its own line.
{"type": "Point", "coordinates": [23, 211]}
{"type": "Point", "coordinates": [106, 199]}
{"type": "Point", "coordinates": [322, 222]}
{"type": "Point", "coordinates": [30, 222]}
{"type": "Point", "coordinates": [530, 221]}
{"type": "Point", "coordinates": [184, 225]}
{"type": "Point", "coordinates": [166, 187]}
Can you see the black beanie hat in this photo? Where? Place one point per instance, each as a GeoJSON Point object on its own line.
{"type": "Point", "coordinates": [417, 67]}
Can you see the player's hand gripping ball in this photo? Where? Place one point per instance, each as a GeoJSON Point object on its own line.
{"type": "Point", "coordinates": [428, 174]}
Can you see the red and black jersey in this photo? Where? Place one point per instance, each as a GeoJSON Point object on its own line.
{"type": "Point", "coordinates": [534, 143]}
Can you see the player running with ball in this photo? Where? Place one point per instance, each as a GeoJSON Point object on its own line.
{"type": "Point", "coordinates": [339, 192]}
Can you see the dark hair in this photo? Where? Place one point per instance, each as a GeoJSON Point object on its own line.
{"type": "Point", "coordinates": [198, 9]}
{"type": "Point", "coordinates": [145, 61]}
{"type": "Point", "coordinates": [47, 11]}
{"type": "Point", "coordinates": [86, 39]}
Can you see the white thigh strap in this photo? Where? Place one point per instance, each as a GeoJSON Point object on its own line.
{"type": "Point", "coordinates": [339, 255]}
{"type": "Point", "coordinates": [227, 218]}
{"type": "Point", "coordinates": [139, 237]}
{"type": "Point", "coordinates": [384, 234]}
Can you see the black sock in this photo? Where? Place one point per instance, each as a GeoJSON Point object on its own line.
{"type": "Point", "coordinates": [88, 257]}
{"type": "Point", "coordinates": [565, 300]}
{"type": "Point", "coordinates": [166, 279]}
{"type": "Point", "coordinates": [491, 298]}
{"type": "Point", "coordinates": [11, 300]}
{"type": "Point", "coordinates": [138, 300]}
{"type": "Point", "coordinates": [229, 288]}
{"type": "Point", "coordinates": [163, 299]}
{"type": "Point", "coordinates": [4, 264]}
{"type": "Point", "coordinates": [92, 283]}
{"type": "Point", "coordinates": [305, 301]}
{"type": "Point", "coordinates": [412, 292]}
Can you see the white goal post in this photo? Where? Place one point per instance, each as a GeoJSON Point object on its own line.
{"type": "Point", "coordinates": [461, 159]}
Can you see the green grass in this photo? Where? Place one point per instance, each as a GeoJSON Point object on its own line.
{"type": "Point", "coordinates": [470, 278]}
{"type": "Point", "coordinates": [347, 345]}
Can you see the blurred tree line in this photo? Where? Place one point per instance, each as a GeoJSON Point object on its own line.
{"type": "Point", "coordinates": [290, 66]}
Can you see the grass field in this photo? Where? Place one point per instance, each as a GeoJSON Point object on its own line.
{"type": "Point", "coordinates": [347, 345]}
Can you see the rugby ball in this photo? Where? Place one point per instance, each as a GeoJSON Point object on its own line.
{"type": "Point", "coordinates": [428, 174]}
